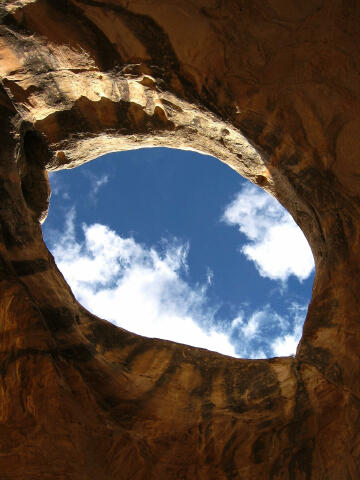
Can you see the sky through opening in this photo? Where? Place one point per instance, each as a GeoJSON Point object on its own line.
{"type": "Point", "coordinates": [176, 245]}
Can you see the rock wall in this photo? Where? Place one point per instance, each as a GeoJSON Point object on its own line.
{"type": "Point", "coordinates": [269, 87]}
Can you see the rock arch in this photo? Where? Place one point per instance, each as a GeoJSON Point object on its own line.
{"type": "Point", "coordinates": [271, 88]}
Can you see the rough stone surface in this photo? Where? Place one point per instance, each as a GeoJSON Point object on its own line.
{"type": "Point", "coordinates": [270, 87]}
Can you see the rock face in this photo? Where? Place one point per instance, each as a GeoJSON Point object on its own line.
{"type": "Point", "coordinates": [269, 87]}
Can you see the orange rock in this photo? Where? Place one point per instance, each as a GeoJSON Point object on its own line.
{"type": "Point", "coordinates": [272, 89]}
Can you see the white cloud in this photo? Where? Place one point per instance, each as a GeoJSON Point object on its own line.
{"type": "Point", "coordinates": [285, 346]}
{"type": "Point", "coordinates": [138, 288]}
{"type": "Point", "coordinates": [143, 290]}
{"type": "Point", "coordinates": [276, 244]}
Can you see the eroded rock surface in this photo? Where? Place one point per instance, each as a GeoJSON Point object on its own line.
{"type": "Point", "coordinates": [269, 87]}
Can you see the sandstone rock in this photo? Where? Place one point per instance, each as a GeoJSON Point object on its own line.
{"type": "Point", "coordinates": [272, 89]}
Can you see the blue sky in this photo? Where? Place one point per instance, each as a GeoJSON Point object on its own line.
{"type": "Point", "coordinates": [174, 244]}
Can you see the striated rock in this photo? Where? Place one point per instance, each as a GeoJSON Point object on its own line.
{"type": "Point", "coordinates": [272, 89]}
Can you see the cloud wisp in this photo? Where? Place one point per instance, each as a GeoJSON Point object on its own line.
{"type": "Point", "coordinates": [275, 243]}
{"type": "Point", "coordinates": [264, 333]}
{"type": "Point", "coordinates": [58, 187]}
{"type": "Point", "coordinates": [96, 182]}
{"type": "Point", "coordinates": [99, 182]}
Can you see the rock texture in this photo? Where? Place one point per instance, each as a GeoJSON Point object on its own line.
{"type": "Point", "coordinates": [270, 87]}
